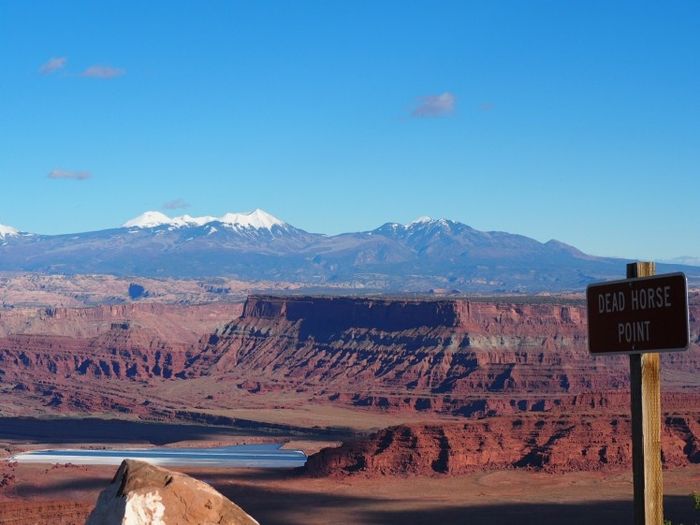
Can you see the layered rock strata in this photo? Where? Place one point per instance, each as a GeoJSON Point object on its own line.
{"type": "Point", "coordinates": [462, 358]}
{"type": "Point", "coordinates": [552, 444]}
{"type": "Point", "coordinates": [449, 357]}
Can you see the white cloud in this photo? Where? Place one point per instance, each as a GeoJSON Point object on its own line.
{"type": "Point", "coordinates": [53, 65]}
{"type": "Point", "coordinates": [103, 72]}
{"type": "Point", "coordinates": [74, 175]}
{"type": "Point", "coordinates": [176, 204]}
{"type": "Point", "coordinates": [435, 105]}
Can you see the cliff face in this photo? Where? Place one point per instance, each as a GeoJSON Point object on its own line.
{"type": "Point", "coordinates": [542, 443]}
{"type": "Point", "coordinates": [328, 315]}
{"type": "Point", "coordinates": [336, 314]}
{"type": "Point", "coordinates": [92, 359]}
{"type": "Point", "coordinates": [119, 353]}
{"type": "Point", "coordinates": [174, 322]}
{"type": "Point", "coordinates": [459, 357]}
{"type": "Point", "coordinates": [22, 512]}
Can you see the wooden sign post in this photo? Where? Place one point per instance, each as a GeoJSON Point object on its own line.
{"type": "Point", "coordinates": [645, 387]}
{"type": "Point", "coordinates": [642, 316]}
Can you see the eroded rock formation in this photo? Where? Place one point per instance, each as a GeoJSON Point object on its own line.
{"type": "Point", "coordinates": [556, 444]}
{"type": "Point", "coordinates": [462, 358]}
{"type": "Point", "coordinates": [467, 358]}
{"type": "Point", "coordinates": [143, 494]}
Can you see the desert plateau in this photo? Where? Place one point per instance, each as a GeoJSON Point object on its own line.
{"type": "Point", "coordinates": [409, 409]}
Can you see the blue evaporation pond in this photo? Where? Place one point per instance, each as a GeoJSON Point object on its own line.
{"type": "Point", "coordinates": [261, 456]}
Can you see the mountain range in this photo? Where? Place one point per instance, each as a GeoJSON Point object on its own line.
{"type": "Point", "coordinates": [426, 254]}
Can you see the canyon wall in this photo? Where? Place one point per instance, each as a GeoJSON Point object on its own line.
{"type": "Point", "coordinates": [97, 359]}
{"type": "Point", "coordinates": [458, 357]}
{"type": "Point", "coordinates": [554, 444]}
{"type": "Point", "coordinates": [454, 358]}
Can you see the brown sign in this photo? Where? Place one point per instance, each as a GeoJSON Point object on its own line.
{"type": "Point", "coordinates": [648, 314]}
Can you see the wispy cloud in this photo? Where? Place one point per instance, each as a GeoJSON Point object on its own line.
{"type": "Point", "coordinates": [52, 65]}
{"type": "Point", "coordinates": [486, 106]}
{"type": "Point", "coordinates": [73, 175]}
{"type": "Point", "coordinates": [176, 204]}
{"type": "Point", "coordinates": [435, 105]}
{"type": "Point", "coordinates": [103, 72]}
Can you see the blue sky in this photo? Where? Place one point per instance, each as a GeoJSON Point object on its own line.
{"type": "Point", "coordinates": [578, 121]}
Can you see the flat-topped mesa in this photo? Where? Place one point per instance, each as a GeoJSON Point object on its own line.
{"type": "Point", "coordinates": [396, 314]}
{"type": "Point", "coordinates": [341, 313]}
{"type": "Point", "coordinates": [464, 357]}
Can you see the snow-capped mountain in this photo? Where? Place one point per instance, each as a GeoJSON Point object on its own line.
{"type": "Point", "coordinates": [8, 231]}
{"type": "Point", "coordinates": [149, 219]}
{"type": "Point", "coordinates": [421, 255]}
{"type": "Point", "coordinates": [257, 219]}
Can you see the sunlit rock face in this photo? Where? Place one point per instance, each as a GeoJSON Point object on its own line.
{"type": "Point", "coordinates": [533, 442]}
{"type": "Point", "coordinates": [459, 357]}
{"type": "Point", "coordinates": [143, 494]}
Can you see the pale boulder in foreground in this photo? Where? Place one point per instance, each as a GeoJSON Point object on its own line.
{"type": "Point", "coordinates": [143, 494]}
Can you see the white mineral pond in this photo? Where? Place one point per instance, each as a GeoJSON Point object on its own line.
{"type": "Point", "coordinates": [258, 456]}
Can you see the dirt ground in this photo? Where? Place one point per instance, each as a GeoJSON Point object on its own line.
{"type": "Point", "coordinates": [283, 497]}
{"type": "Point", "coordinates": [64, 494]}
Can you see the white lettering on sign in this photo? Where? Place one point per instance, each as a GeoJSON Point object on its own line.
{"type": "Point", "coordinates": [633, 332]}
{"type": "Point", "coordinates": [648, 298]}
{"type": "Point", "coordinates": [611, 302]}
{"type": "Point", "coordinates": [635, 315]}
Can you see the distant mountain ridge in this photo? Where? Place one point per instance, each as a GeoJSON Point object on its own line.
{"type": "Point", "coordinates": [426, 254]}
{"type": "Point", "coordinates": [686, 260]}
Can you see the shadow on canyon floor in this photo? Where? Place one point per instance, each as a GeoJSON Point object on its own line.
{"type": "Point", "coordinates": [96, 430]}
{"type": "Point", "coordinates": [280, 497]}
{"type": "Point", "coordinates": [289, 507]}
{"type": "Point", "coordinates": [54, 489]}
{"type": "Point", "coordinates": [678, 509]}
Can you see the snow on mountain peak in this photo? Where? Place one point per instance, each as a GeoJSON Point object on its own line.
{"type": "Point", "coordinates": [423, 219]}
{"type": "Point", "coordinates": [8, 231]}
{"type": "Point", "coordinates": [254, 219]}
{"type": "Point", "coordinates": [150, 219]}
{"type": "Point", "coordinates": [188, 220]}
{"type": "Point", "coordinates": [257, 219]}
